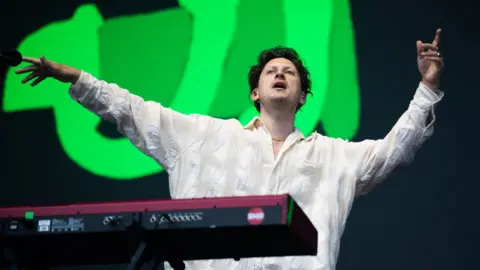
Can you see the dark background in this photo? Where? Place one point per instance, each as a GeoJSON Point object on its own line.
{"type": "Point", "coordinates": [422, 217]}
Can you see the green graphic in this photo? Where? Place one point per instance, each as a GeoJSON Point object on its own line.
{"type": "Point", "coordinates": [193, 59]}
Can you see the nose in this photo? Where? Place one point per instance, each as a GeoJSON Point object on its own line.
{"type": "Point", "coordinates": [279, 74]}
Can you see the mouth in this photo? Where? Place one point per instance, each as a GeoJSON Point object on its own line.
{"type": "Point", "coordinates": [279, 85]}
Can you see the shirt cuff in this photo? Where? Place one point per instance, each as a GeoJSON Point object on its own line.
{"type": "Point", "coordinates": [81, 88]}
{"type": "Point", "coordinates": [426, 98]}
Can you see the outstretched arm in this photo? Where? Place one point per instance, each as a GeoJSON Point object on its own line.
{"type": "Point", "coordinates": [372, 160]}
{"type": "Point", "coordinates": [159, 132]}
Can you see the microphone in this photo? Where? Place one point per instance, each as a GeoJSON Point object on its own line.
{"type": "Point", "coordinates": [12, 58]}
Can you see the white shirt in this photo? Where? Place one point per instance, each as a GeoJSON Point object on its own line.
{"type": "Point", "coordinates": [209, 157]}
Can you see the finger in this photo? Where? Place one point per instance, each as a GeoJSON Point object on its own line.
{"type": "Point", "coordinates": [435, 59]}
{"type": "Point", "coordinates": [419, 48]}
{"type": "Point", "coordinates": [35, 61]}
{"type": "Point", "coordinates": [30, 77]}
{"type": "Point", "coordinates": [38, 80]}
{"type": "Point", "coordinates": [428, 46]}
{"type": "Point", "coordinates": [436, 41]}
{"type": "Point", "coordinates": [431, 53]}
{"type": "Point", "coordinates": [27, 69]}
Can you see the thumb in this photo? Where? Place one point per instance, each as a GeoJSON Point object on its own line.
{"type": "Point", "coordinates": [46, 62]}
{"type": "Point", "coordinates": [419, 49]}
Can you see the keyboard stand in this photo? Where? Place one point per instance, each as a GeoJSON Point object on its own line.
{"type": "Point", "coordinates": [8, 255]}
{"type": "Point", "coordinates": [145, 251]}
{"type": "Point", "coordinates": [138, 259]}
{"type": "Point", "coordinates": [13, 264]}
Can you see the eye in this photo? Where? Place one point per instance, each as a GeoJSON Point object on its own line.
{"type": "Point", "coordinates": [290, 72]}
{"type": "Point", "coordinates": [270, 71]}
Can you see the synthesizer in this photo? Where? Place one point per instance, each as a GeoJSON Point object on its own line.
{"type": "Point", "coordinates": [165, 230]}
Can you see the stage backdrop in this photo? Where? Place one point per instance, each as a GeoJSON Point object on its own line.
{"type": "Point", "coordinates": [193, 56]}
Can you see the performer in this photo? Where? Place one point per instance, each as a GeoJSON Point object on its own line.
{"type": "Point", "coordinates": [209, 157]}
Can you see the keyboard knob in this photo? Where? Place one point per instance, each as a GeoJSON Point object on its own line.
{"type": "Point", "coordinates": [111, 220]}
{"type": "Point", "coordinates": [153, 219]}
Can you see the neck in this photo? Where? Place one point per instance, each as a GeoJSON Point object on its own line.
{"type": "Point", "coordinates": [279, 124]}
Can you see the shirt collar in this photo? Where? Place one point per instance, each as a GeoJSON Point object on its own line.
{"type": "Point", "coordinates": [256, 123]}
{"type": "Point", "coordinates": [253, 124]}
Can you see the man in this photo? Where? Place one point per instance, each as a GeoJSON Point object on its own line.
{"type": "Point", "coordinates": [207, 157]}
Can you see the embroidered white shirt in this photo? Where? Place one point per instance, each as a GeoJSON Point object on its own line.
{"type": "Point", "coordinates": [209, 157]}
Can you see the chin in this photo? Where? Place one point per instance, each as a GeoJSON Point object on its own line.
{"type": "Point", "coordinates": [280, 100]}
{"type": "Point", "coordinates": [281, 94]}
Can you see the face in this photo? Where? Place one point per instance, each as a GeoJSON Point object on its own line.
{"type": "Point", "coordinates": [279, 86]}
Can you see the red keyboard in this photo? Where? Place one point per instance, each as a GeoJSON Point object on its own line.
{"type": "Point", "coordinates": [173, 230]}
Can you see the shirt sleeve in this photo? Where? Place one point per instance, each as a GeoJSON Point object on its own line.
{"type": "Point", "coordinates": [159, 132]}
{"type": "Point", "coordinates": [373, 160]}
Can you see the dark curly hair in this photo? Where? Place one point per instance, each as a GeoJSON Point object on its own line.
{"type": "Point", "coordinates": [279, 52]}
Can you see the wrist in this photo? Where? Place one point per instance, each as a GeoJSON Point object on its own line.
{"type": "Point", "coordinates": [430, 85]}
{"type": "Point", "coordinates": [74, 75]}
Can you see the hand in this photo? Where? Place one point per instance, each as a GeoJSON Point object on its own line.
{"type": "Point", "coordinates": [43, 68]}
{"type": "Point", "coordinates": [430, 62]}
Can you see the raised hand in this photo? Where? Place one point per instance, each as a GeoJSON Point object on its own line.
{"type": "Point", "coordinates": [42, 68]}
{"type": "Point", "coordinates": [430, 62]}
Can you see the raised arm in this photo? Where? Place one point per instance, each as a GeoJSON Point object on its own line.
{"type": "Point", "coordinates": [159, 132]}
{"type": "Point", "coordinates": [371, 160]}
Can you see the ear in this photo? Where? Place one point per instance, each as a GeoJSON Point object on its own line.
{"type": "Point", "coordinates": [302, 98]}
{"type": "Point", "coordinates": [254, 95]}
